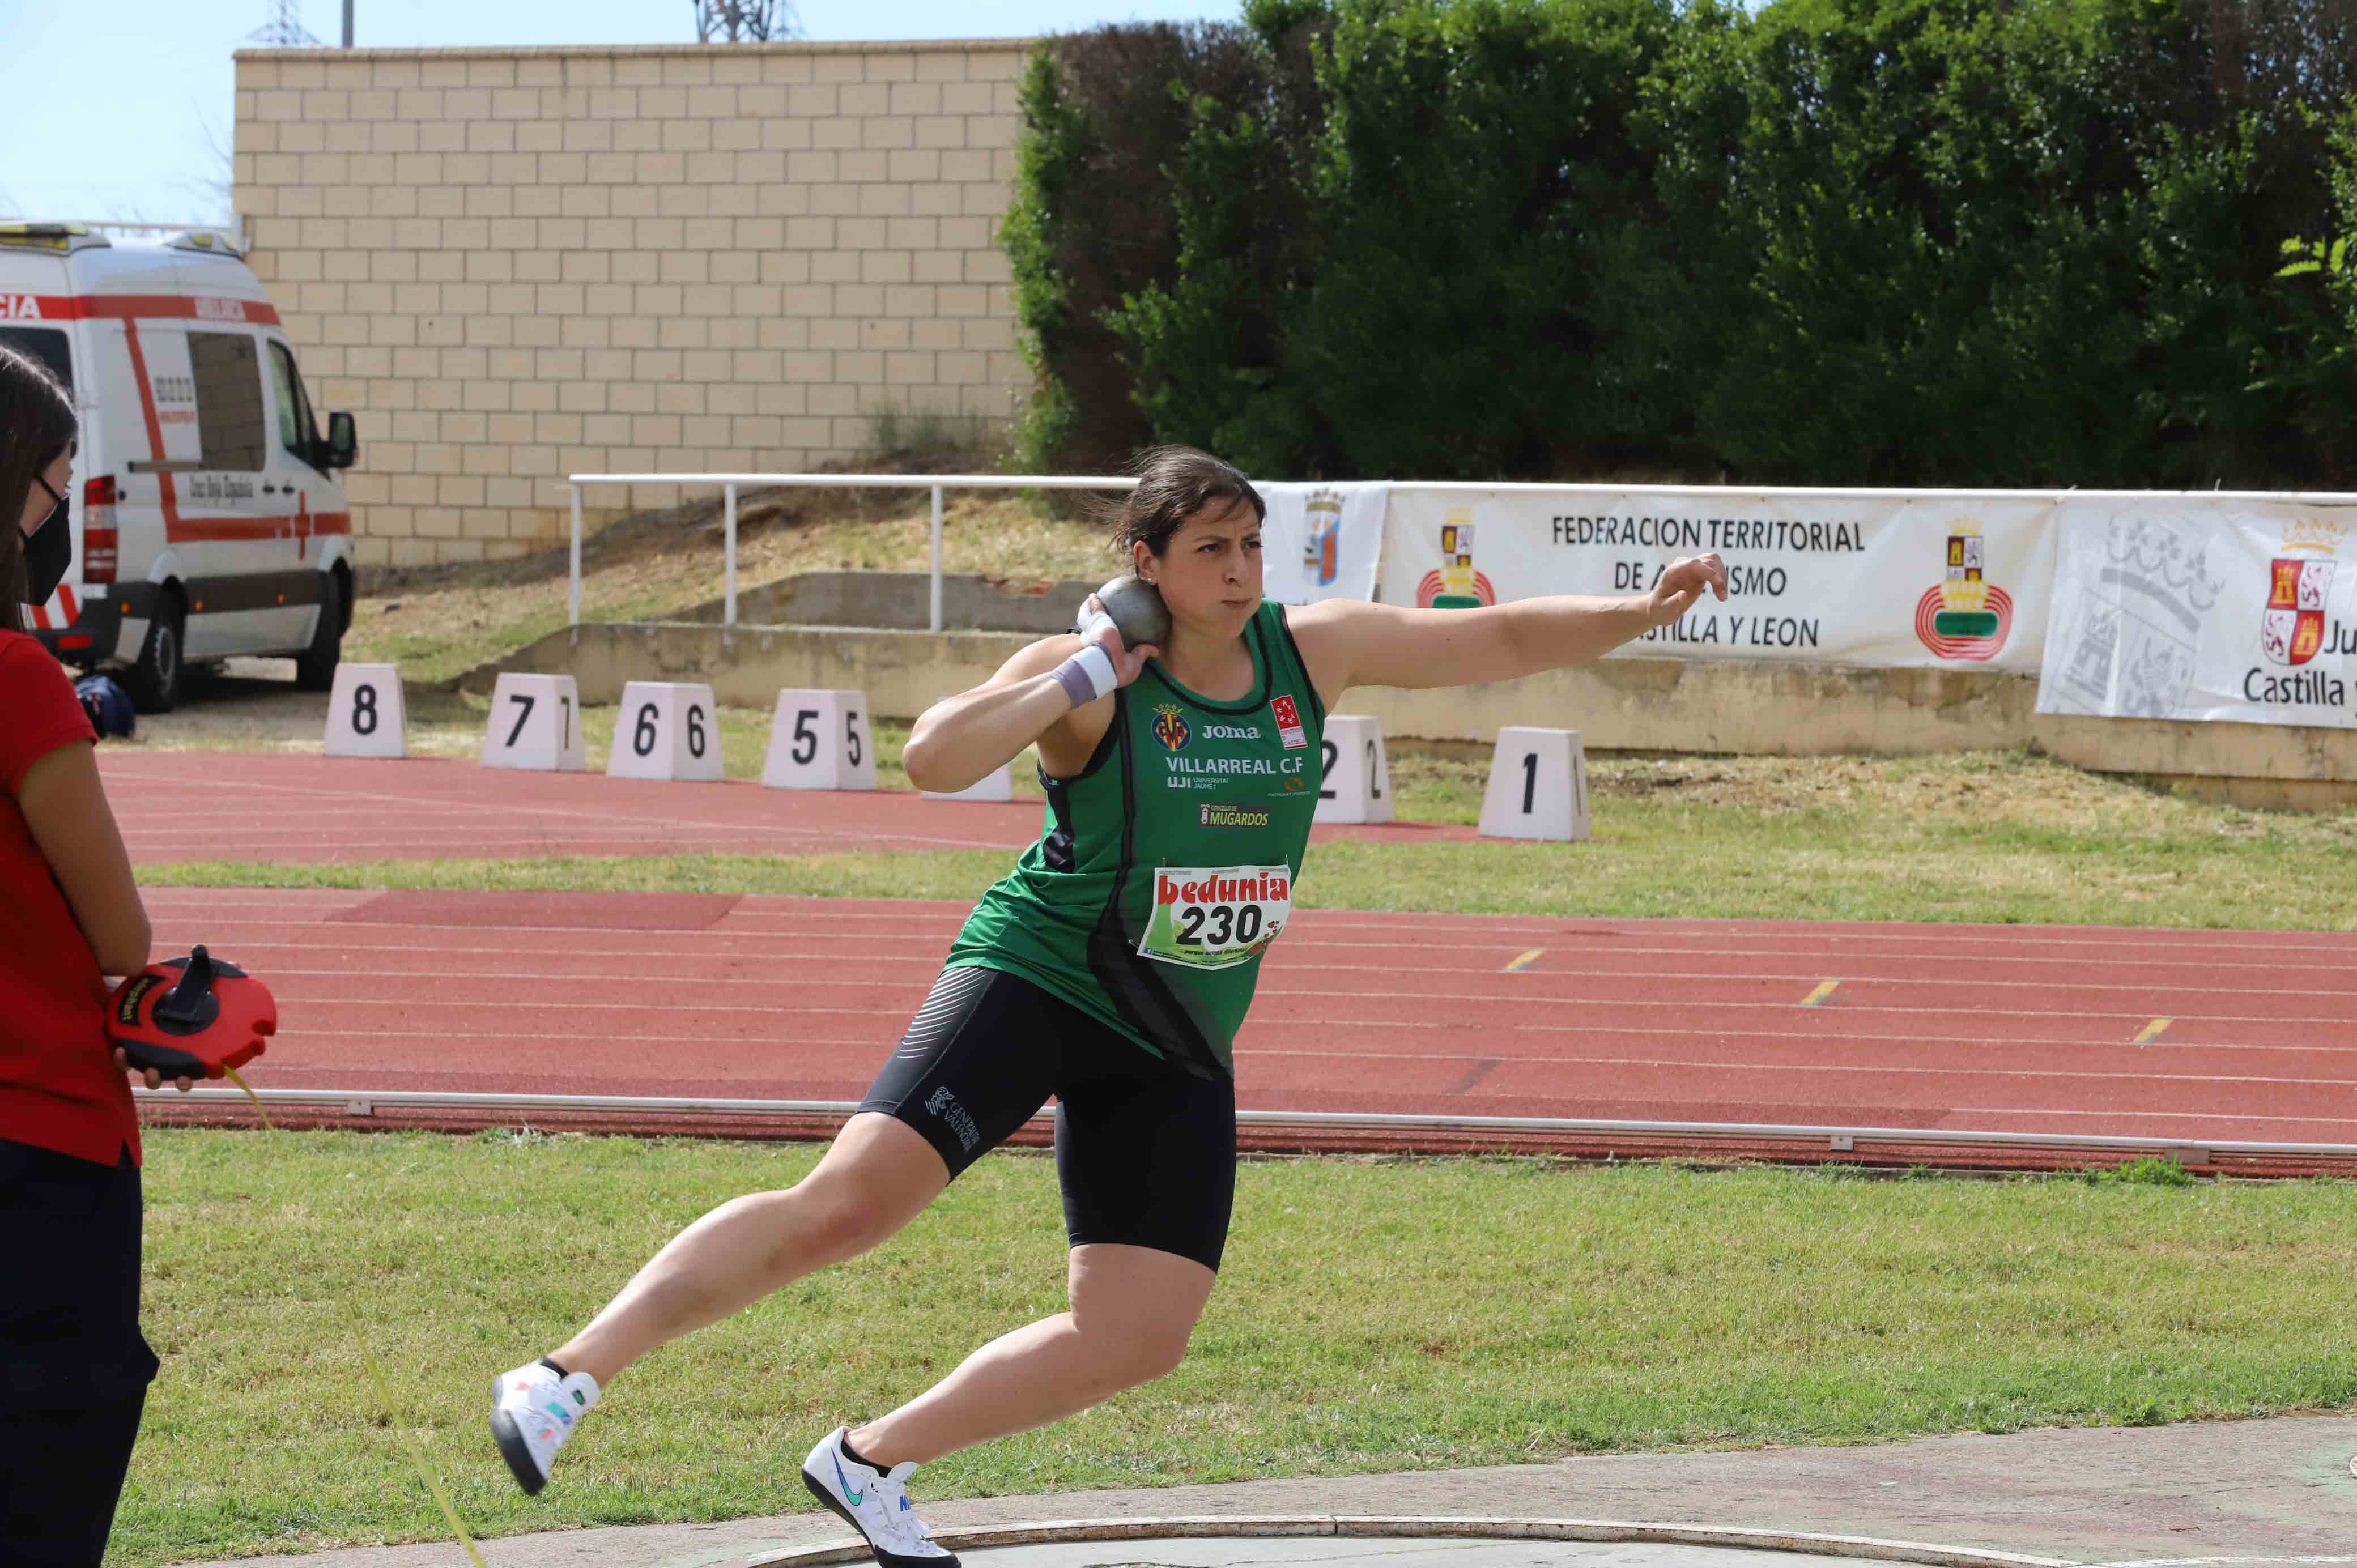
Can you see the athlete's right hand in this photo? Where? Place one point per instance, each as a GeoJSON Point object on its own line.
{"type": "Point", "coordinates": [1128, 663]}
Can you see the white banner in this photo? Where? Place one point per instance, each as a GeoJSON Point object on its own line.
{"type": "Point", "coordinates": [2240, 608]}
{"type": "Point", "coordinates": [1320, 540]}
{"type": "Point", "coordinates": [1958, 580]}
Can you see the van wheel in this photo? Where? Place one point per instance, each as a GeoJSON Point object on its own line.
{"type": "Point", "coordinates": [156, 681]}
{"type": "Point", "coordinates": [315, 667]}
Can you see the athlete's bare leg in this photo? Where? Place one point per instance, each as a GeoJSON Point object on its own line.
{"type": "Point", "coordinates": [1133, 1309]}
{"type": "Point", "coordinates": [879, 1175]}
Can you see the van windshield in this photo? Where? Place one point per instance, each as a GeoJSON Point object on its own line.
{"type": "Point", "coordinates": [297, 432]}
{"type": "Point", "coordinates": [45, 346]}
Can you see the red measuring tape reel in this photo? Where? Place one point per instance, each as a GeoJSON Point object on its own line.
{"type": "Point", "coordinates": [191, 1017]}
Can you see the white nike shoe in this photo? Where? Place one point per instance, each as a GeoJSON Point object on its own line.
{"type": "Point", "coordinates": [532, 1411]}
{"type": "Point", "coordinates": [873, 1502]}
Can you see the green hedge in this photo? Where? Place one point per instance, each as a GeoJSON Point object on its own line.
{"type": "Point", "coordinates": [1830, 242]}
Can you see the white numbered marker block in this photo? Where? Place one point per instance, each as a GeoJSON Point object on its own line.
{"type": "Point", "coordinates": [667, 730]}
{"type": "Point", "coordinates": [1538, 787]}
{"type": "Point", "coordinates": [821, 740]}
{"type": "Point", "coordinates": [535, 723]}
{"type": "Point", "coordinates": [1358, 776]}
{"type": "Point", "coordinates": [998, 786]}
{"type": "Point", "coordinates": [365, 714]}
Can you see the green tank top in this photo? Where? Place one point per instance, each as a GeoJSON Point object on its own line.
{"type": "Point", "coordinates": [1168, 863]}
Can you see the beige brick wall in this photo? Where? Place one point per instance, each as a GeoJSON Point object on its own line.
{"type": "Point", "coordinates": [514, 264]}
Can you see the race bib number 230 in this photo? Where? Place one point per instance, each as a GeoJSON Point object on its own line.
{"type": "Point", "coordinates": [1211, 918]}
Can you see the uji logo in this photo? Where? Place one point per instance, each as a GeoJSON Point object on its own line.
{"type": "Point", "coordinates": [1966, 616]}
{"type": "Point", "coordinates": [1171, 726]}
{"type": "Point", "coordinates": [2292, 627]}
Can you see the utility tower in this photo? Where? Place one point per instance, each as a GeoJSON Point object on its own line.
{"type": "Point", "coordinates": [743, 21]}
{"type": "Point", "coordinates": [284, 29]}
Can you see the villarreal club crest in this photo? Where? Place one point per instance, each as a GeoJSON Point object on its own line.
{"type": "Point", "coordinates": [1171, 726]}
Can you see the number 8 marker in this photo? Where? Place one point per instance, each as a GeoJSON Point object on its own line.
{"type": "Point", "coordinates": [366, 716]}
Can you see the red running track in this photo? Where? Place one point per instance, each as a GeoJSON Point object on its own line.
{"type": "Point", "coordinates": [2194, 1034]}
{"type": "Point", "coordinates": [263, 807]}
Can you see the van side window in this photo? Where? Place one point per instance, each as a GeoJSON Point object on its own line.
{"type": "Point", "coordinates": [45, 346]}
{"type": "Point", "coordinates": [228, 400]}
{"type": "Point", "coordinates": [297, 429]}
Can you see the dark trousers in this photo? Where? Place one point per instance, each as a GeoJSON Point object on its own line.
{"type": "Point", "coordinates": [74, 1368]}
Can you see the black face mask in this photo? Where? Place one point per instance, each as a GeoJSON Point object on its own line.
{"type": "Point", "coordinates": [48, 552]}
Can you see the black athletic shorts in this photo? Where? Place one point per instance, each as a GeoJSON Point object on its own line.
{"type": "Point", "coordinates": [1145, 1151]}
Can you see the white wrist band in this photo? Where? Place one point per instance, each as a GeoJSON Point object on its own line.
{"type": "Point", "coordinates": [1087, 675]}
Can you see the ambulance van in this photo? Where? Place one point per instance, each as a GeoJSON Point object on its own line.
{"type": "Point", "coordinates": [206, 514]}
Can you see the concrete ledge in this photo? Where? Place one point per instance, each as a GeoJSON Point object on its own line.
{"type": "Point", "coordinates": [1631, 704]}
{"type": "Point", "coordinates": [902, 601]}
{"type": "Point", "coordinates": [1233, 1527]}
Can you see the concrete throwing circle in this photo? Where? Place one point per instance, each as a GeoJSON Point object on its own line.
{"type": "Point", "coordinates": [1329, 1541]}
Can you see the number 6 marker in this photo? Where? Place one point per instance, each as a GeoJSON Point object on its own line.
{"type": "Point", "coordinates": [666, 730]}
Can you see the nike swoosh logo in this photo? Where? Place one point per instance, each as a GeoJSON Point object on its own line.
{"type": "Point", "coordinates": [847, 1492]}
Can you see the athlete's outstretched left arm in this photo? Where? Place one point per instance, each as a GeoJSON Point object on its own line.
{"type": "Point", "coordinates": [1348, 642]}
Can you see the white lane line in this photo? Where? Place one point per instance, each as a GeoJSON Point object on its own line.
{"type": "Point", "coordinates": [1718, 1064]}
{"type": "Point", "coordinates": [313, 940]}
{"type": "Point", "coordinates": [1973, 984]}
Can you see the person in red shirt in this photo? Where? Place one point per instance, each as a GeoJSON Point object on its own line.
{"type": "Point", "coordinates": [74, 1368]}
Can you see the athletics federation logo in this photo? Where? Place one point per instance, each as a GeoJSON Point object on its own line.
{"type": "Point", "coordinates": [1288, 723]}
{"type": "Point", "coordinates": [2293, 628]}
{"type": "Point", "coordinates": [1966, 617]}
{"type": "Point", "coordinates": [1456, 586]}
{"type": "Point", "coordinates": [1171, 726]}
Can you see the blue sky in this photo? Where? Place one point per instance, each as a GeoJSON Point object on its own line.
{"type": "Point", "coordinates": [113, 110]}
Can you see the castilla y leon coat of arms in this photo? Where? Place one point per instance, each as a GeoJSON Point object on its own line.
{"type": "Point", "coordinates": [2293, 628]}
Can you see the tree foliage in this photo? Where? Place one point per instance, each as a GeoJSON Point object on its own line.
{"type": "Point", "coordinates": [2007, 243]}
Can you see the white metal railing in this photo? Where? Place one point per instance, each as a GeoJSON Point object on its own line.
{"type": "Point", "coordinates": [729, 483]}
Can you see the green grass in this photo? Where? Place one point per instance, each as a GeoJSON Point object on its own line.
{"type": "Point", "coordinates": [1362, 1323]}
{"type": "Point", "coordinates": [1986, 836]}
